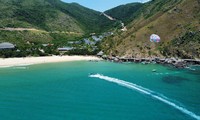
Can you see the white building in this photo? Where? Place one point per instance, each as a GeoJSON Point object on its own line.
{"type": "Point", "coordinates": [6, 45]}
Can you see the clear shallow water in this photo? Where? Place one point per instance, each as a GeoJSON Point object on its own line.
{"type": "Point", "coordinates": [65, 91]}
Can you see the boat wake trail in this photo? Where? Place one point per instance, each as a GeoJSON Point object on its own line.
{"type": "Point", "coordinates": [148, 92]}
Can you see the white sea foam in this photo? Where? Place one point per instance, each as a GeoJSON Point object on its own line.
{"type": "Point", "coordinates": [16, 66]}
{"type": "Point", "coordinates": [20, 67]}
{"type": "Point", "coordinates": [146, 91]}
{"type": "Point", "coordinates": [190, 68]}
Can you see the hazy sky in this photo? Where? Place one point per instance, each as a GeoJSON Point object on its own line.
{"type": "Point", "coordinates": [102, 5]}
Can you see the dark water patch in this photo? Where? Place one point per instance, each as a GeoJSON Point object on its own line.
{"type": "Point", "coordinates": [171, 68]}
{"type": "Point", "coordinates": [170, 79]}
{"type": "Point", "coordinates": [194, 71]}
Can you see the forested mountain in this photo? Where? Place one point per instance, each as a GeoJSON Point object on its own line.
{"type": "Point", "coordinates": [51, 15]}
{"type": "Point", "coordinates": [125, 13]}
{"type": "Point", "coordinates": [177, 22]}
{"type": "Point", "coordinates": [30, 23]}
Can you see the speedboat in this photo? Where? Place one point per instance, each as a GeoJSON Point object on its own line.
{"type": "Point", "coordinates": [154, 70]}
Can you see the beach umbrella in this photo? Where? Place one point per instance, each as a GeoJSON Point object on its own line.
{"type": "Point", "coordinates": [154, 38]}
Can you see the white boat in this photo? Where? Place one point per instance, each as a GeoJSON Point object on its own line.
{"type": "Point", "coordinates": [154, 70]}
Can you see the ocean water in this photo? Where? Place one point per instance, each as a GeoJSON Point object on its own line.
{"type": "Point", "coordinates": [99, 91]}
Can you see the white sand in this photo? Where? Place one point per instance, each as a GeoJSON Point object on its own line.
{"type": "Point", "coordinates": [8, 62]}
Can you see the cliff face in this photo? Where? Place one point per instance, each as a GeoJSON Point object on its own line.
{"type": "Point", "coordinates": [172, 20]}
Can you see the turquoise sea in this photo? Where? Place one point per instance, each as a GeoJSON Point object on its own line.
{"type": "Point", "coordinates": [99, 91]}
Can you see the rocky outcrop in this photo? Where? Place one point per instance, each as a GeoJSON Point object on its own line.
{"type": "Point", "coordinates": [178, 63]}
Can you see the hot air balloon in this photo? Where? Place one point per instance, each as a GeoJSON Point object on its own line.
{"type": "Point", "coordinates": [154, 38]}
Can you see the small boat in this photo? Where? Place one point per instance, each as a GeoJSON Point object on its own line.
{"type": "Point", "coordinates": [154, 70]}
{"type": "Point", "coordinates": [91, 73]}
{"type": "Point", "coordinates": [144, 63]}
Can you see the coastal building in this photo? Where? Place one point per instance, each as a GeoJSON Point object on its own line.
{"type": "Point", "coordinates": [65, 49]}
{"type": "Point", "coordinates": [45, 45]}
{"type": "Point", "coordinates": [6, 45]}
{"type": "Point", "coordinates": [88, 42]}
{"type": "Point", "coordinates": [106, 34]}
{"type": "Point", "coordinates": [96, 39]}
{"type": "Point", "coordinates": [74, 42]}
{"type": "Point", "coordinates": [100, 54]}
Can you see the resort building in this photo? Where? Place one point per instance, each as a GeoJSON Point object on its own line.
{"type": "Point", "coordinates": [100, 54]}
{"type": "Point", "coordinates": [65, 49]}
{"type": "Point", "coordinates": [6, 45]}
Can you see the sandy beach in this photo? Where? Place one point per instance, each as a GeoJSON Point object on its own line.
{"type": "Point", "coordinates": [8, 62]}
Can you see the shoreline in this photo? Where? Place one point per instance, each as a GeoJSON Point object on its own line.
{"type": "Point", "coordinates": [26, 61]}
{"type": "Point", "coordinates": [11, 62]}
{"type": "Point", "coordinates": [178, 63]}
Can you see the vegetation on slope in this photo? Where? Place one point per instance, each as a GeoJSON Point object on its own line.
{"type": "Point", "coordinates": [29, 43]}
{"type": "Point", "coordinates": [186, 46]}
{"type": "Point", "coordinates": [125, 13]}
{"type": "Point", "coordinates": [177, 22]}
{"type": "Point", "coordinates": [35, 14]}
{"type": "Point", "coordinates": [91, 21]}
{"type": "Point", "coordinates": [169, 19]}
{"type": "Point", "coordinates": [51, 21]}
{"type": "Point", "coordinates": [51, 15]}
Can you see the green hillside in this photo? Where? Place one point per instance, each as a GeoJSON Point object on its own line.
{"type": "Point", "coordinates": [177, 22]}
{"type": "Point", "coordinates": [51, 15]}
{"type": "Point", "coordinates": [125, 13]}
{"type": "Point", "coordinates": [30, 23]}
{"type": "Point", "coordinates": [170, 19]}
{"type": "Point", "coordinates": [35, 14]}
